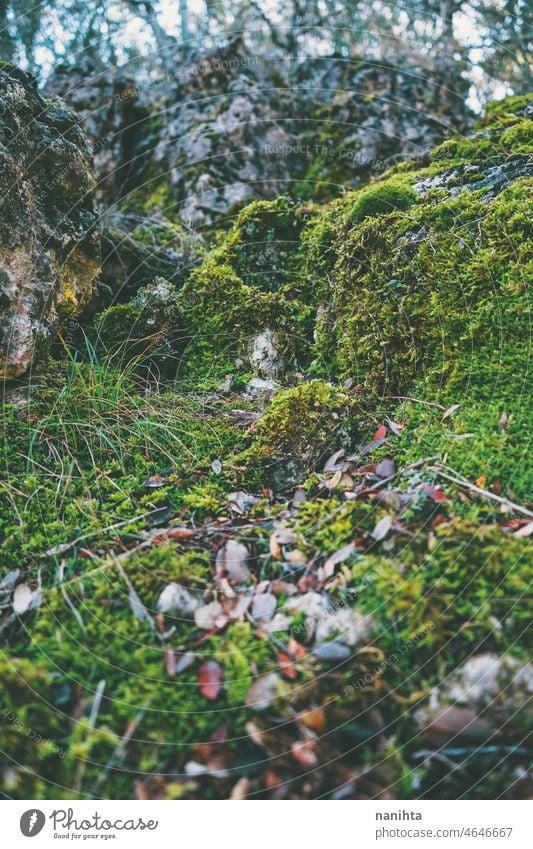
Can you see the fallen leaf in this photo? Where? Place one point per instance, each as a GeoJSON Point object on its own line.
{"type": "Point", "coordinates": [433, 492]}
{"type": "Point", "coordinates": [184, 661]}
{"type": "Point", "coordinates": [207, 616]}
{"type": "Point", "coordinates": [159, 515]}
{"type": "Point", "coordinates": [263, 691]}
{"type": "Point", "coordinates": [380, 433]}
{"type": "Point", "coordinates": [525, 530]}
{"type": "Point", "coordinates": [210, 679]}
{"type": "Point", "coordinates": [296, 649]}
{"type": "Point", "coordinates": [155, 481]}
{"type": "Point", "coordinates": [275, 547]}
{"type": "Point", "coordinates": [331, 463]}
{"type": "Point", "coordinates": [338, 557]}
{"type": "Point", "coordinates": [241, 501]}
{"type": "Point", "coordinates": [286, 666]}
{"type": "Point", "coordinates": [22, 598]}
{"type": "Point", "coordinates": [385, 469]}
{"type": "Point", "coordinates": [177, 601]}
{"type": "Point", "coordinates": [295, 557]}
{"type": "Point", "coordinates": [450, 411]}
{"type": "Point", "coordinates": [395, 427]}
{"type": "Point", "coordinates": [504, 421]}
{"type": "Point", "coordinates": [314, 720]}
{"type": "Point", "coordinates": [263, 607]}
{"type": "Point", "coordinates": [138, 608]}
{"type": "Point", "coordinates": [332, 651]}
{"type": "Point", "coordinates": [170, 662]}
{"type": "Point", "coordinates": [241, 789]}
{"type": "Point", "coordinates": [179, 533]}
{"type": "Point", "coordinates": [9, 580]}
{"type": "Point", "coordinates": [382, 528]}
{"type": "Point", "coordinates": [304, 754]}
{"type": "Point", "coordinates": [232, 559]}
{"type": "Point", "coordinates": [450, 722]}
{"type": "Point", "coordinates": [334, 481]}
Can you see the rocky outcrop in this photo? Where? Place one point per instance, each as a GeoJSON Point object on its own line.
{"type": "Point", "coordinates": [230, 126]}
{"type": "Point", "coordinates": [49, 249]}
{"type": "Point", "coordinates": [117, 124]}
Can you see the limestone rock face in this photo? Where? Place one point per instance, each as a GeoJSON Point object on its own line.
{"type": "Point", "coordinates": [230, 127]}
{"type": "Point", "coordinates": [49, 247]}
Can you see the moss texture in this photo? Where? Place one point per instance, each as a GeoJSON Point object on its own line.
{"type": "Point", "coordinates": [406, 303]}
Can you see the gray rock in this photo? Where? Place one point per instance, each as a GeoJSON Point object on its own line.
{"type": "Point", "coordinates": [49, 247]}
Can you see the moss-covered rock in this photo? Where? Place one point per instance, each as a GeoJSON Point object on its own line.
{"type": "Point", "coordinates": [49, 249]}
{"type": "Point", "coordinates": [149, 328]}
{"type": "Point", "coordinates": [298, 429]}
{"type": "Point", "coordinates": [251, 285]}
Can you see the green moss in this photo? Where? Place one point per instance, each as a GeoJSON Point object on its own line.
{"type": "Point", "coordinates": [99, 438]}
{"type": "Point", "coordinates": [465, 589]}
{"type": "Point", "coordinates": [381, 199]}
{"type": "Point", "coordinates": [148, 328]}
{"type": "Point", "coordinates": [298, 428]}
{"type": "Point", "coordinates": [250, 283]}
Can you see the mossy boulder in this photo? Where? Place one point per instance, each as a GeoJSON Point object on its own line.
{"type": "Point", "coordinates": [135, 249]}
{"type": "Point", "coordinates": [300, 427]}
{"type": "Point", "coordinates": [49, 248]}
{"type": "Point", "coordinates": [149, 328]}
{"type": "Point", "coordinates": [252, 285]}
{"type": "Point", "coordinates": [424, 278]}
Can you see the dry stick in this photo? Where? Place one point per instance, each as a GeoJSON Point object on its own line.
{"type": "Point", "coordinates": [460, 481]}
{"type": "Point", "coordinates": [120, 748]}
{"type": "Point", "coordinates": [90, 727]}
{"type": "Point", "coordinates": [61, 549]}
{"type": "Point", "coordinates": [76, 612]}
{"type": "Point", "coordinates": [417, 401]}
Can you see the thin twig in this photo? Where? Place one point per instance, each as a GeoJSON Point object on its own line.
{"type": "Point", "coordinates": [460, 481]}
{"type": "Point", "coordinates": [97, 701]}
{"type": "Point", "coordinates": [120, 748]}
{"type": "Point", "coordinates": [418, 401]}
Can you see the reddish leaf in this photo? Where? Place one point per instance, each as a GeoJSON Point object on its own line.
{"type": "Point", "coordinates": [179, 533]}
{"type": "Point", "coordinates": [286, 666]}
{"type": "Point", "coordinates": [314, 720]}
{"type": "Point", "coordinates": [525, 530]}
{"type": "Point", "coordinates": [512, 525]}
{"type": "Point", "coordinates": [210, 679]}
{"type": "Point", "coordinates": [380, 433]}
{"type": "Point", "coordinates": [304, 754]}
{"type": "Point", "coordinates": [434, 492]}
{"type": "Point", "coordinates": [296, 649]}
{"type": "Point", "coordinates": [272, 780]}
